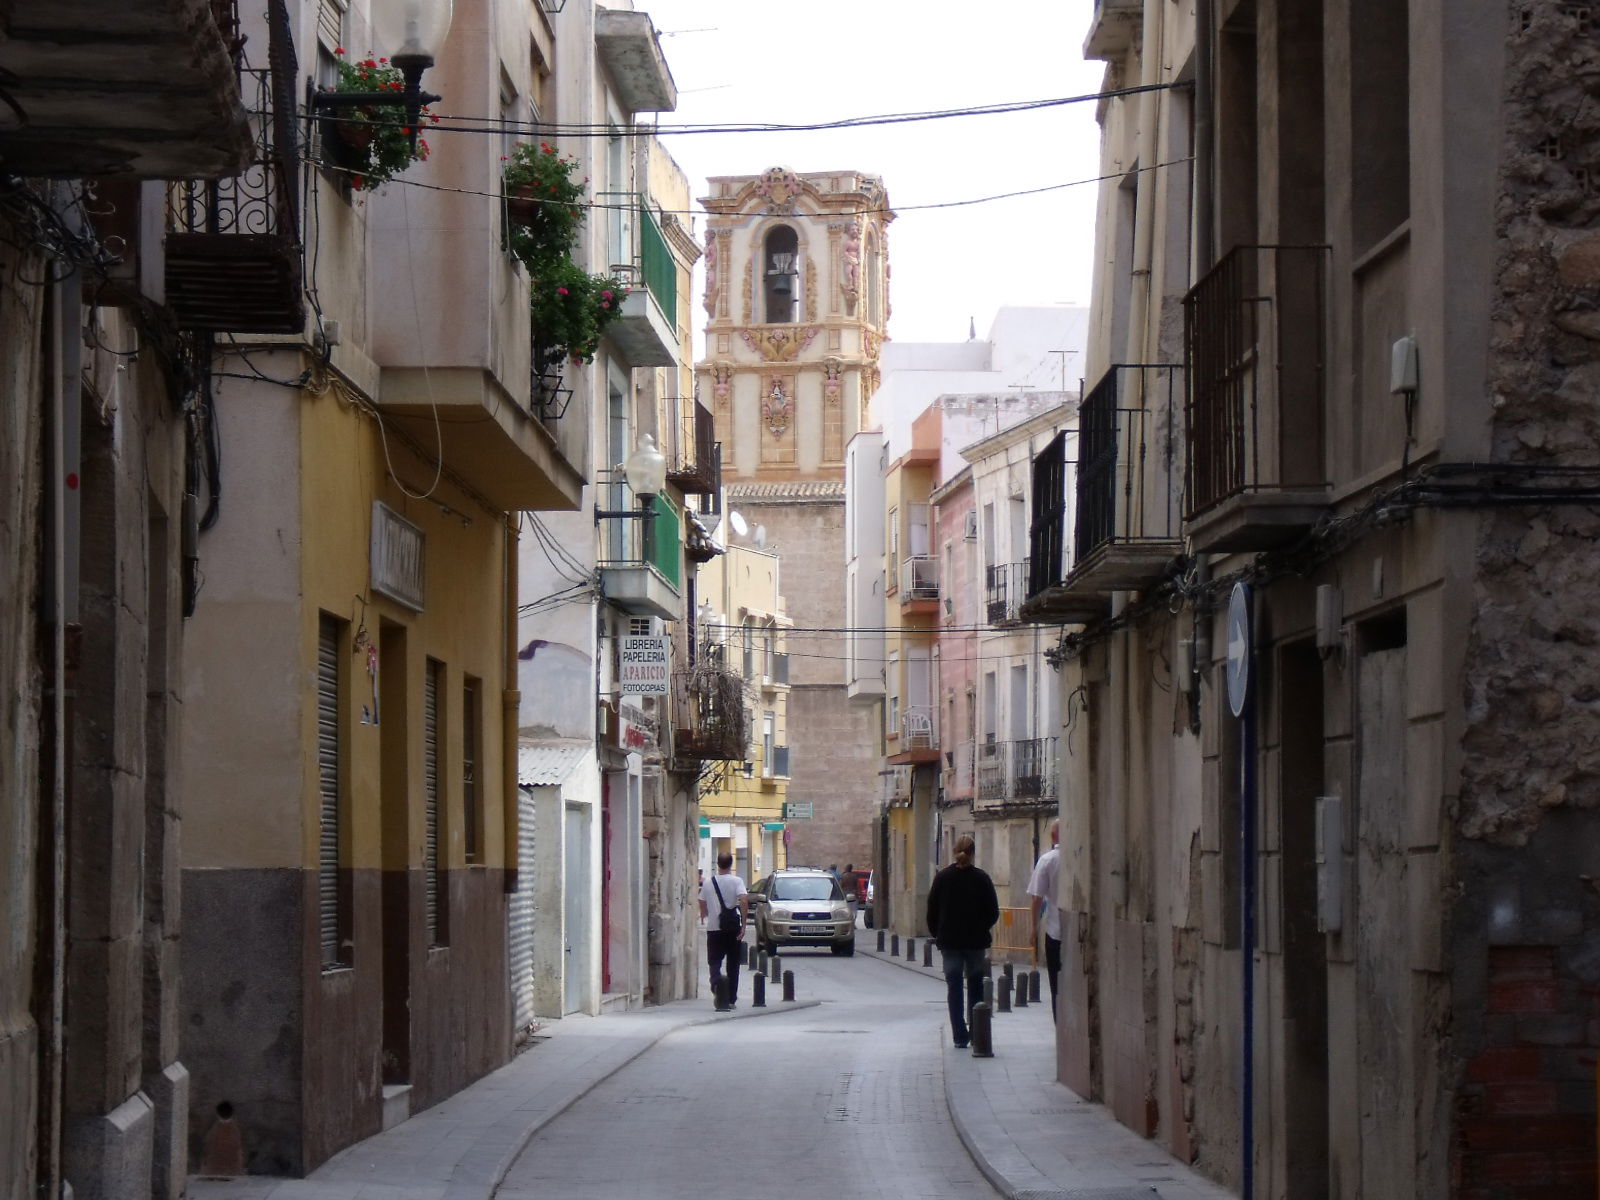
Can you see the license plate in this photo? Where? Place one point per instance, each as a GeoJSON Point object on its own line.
{"type": "Point", "coordinates": [802, 931]}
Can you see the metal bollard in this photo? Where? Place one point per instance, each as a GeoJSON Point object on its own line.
{"type": "Point", "coordinates": [1022, 991]}
{"type": "Point", "coordinates": [758, 990]}
{"type": "Point", "coordinates": [761, 963]}
{"type": "Point", "coordinates": [988, 992]}
{"type": "Point", "coordinates": [911, 949]}
{"type": "Point", "coordinates": [982, 1032]}
{"type": "Point", "coordinates": [788, 985]}
{"type": "Point", "coordinates": [719, 994]}
{"type": "Point", "coordinates": [1008, 970]}
{"type": "Point", "coordinates": [774, 967]}
{"type": "Point", "coordinates": [927, 954]}
{"type": "Point", "coordinates": [1033, 987]}
{"type": "Point", "coordinates": [882, 934]}
{"type": "Point", "coordinates": [1003, 994]}
{"type": "Point", "coordinates": [894, 945]}
{"type": "Point", "coordinates": [750, 957]}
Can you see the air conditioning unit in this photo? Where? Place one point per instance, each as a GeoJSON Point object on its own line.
{"type": "Point", "coordinates": [970, 533]}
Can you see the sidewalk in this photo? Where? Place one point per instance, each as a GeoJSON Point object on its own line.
{"type": "Point", "coordinates": [1035, 1138]}
{"type": "Point", "coordinates": [1031, 1136]}
{"type": "Point", "coordinates": [461, 1148]}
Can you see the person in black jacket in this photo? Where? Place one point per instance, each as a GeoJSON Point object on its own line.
{"type": "Point", "coordinates": [962, 909]}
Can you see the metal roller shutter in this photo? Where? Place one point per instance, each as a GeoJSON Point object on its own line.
{"type": "Point", "coordinates": [430, 787]}
{"type": "Point", "coordinates": [328, 782]}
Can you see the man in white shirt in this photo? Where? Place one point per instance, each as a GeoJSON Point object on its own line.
{"type": "Point", "coordinates": [1042, 887]}
{"type": "Point", "coordinates": [724, 893]}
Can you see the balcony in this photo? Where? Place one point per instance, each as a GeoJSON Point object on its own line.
{"type": "Point", "coordinates": [694, 456]}
{"type": "Point", "coordinates": [1020, 772]}
{"type": "Point", "coordinates": [140, 88]}
{"type": "Point", "coordinates": [1127, 529]}
{"type": "Point", "coordinates": [919, 584]}
{"type": "Point", "coordinates": [645, 334]}
{"type": "Point", "coordinates": [709, 719]}
{"type": "Point", "coordinates": [1048, 600]}
{"type": "Point", "coordinates": [1255, 337]}
{"type": "Point", "coordinates": [631, 53]}
{"type": "Point", "coordinates": [776, 674]}
{"type": "Point", "coordinates": [233, 245]}
{"type": "Point", "coordinates": [1113, 28]}
{"type": "Point", "coordinates": [918, 742]}
{"type": "Point", "coordinates": [1006, 587]}
{"type": "Point", "coordinates": [640, 557]}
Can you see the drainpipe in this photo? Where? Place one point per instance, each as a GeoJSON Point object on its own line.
{"type": "Point", "coordinates": [1205, 233]}
{"type": "Point", "coordinates": [1141, 299]}
{"type": "Point", "coordinates": [59, 615]}
{"type": "Point", "coordinates": [510, 712]}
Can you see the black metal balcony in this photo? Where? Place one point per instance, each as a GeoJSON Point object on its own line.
{"type": "Point", "coordinates": [1006, 587]}
{"type": "Point", "coordinates": [1255, 336]}
{"type": "Point", "coordinates": [1048, 600]}
{"type": "Point", "coordinates": [694, 456]}
{"type": "Point", "coordinates": [710, 720]}
{"type": "Point", "coordinates": [1127, 529]}
{"type": "Point", "coordinates": [233, 245]}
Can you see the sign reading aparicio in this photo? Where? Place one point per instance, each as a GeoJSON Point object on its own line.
{"type": "Point", "coordinates": [643, 663]}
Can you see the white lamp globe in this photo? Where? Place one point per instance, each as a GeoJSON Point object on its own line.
{"type": "Point", "coordinates": [412, 30]}
{"type": "Point", "coordinates": [646, 469]}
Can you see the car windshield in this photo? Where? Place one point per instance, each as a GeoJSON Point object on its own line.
{"type": "Point", "coordinates": [806, 888]}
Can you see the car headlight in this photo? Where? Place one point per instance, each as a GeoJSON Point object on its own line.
{"type": "Point", "coordinates": [841, 912]}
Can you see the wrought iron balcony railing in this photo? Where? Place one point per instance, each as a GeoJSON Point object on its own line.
{"type": "Point", "coordinates": [895, 784]}
{"type": "Point", "coordinates": [710, 720]}
{"type": "Point", "coordinates": [233, 253]}
{"type": "Point", "coordinates": [1127, 524]}
{"type": "Point", "coordinates": [1020, 771]}
{"type": "Point", "coordinates": [694, 456]}
{"type": "Point", "coordinates": [1256, 346]}
{"type": "Point", "coordinates": [1006, 586]}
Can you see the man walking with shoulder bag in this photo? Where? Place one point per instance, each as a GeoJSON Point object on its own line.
{"type": "Point", "coordinates": [724, 906]}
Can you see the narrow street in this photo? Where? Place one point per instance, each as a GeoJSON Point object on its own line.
{"type": "Point", "coordinates": [844, 1098]}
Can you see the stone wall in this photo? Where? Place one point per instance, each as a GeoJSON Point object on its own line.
{"type": "Point", "coordinates": [1526, 975]}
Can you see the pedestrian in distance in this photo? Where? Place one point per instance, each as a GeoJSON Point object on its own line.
{"type": "Point", "coordinates": [962, 911]}
{"type": "Point", "coordinates": [851, 882]}
{"type": "Point", "coordinates": [724, 906]}
{"type": "Point", "coordinates": [1046, 917]}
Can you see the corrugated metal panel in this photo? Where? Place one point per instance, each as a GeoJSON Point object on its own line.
{"type": "Point", "coordinates": [520, 931]}
{"type": "Point", "coordinates": [431, 877]}
{"type": "Point", "coordinates": [548, 765]}
{"type": "Point", "coordinates": [328, 782]}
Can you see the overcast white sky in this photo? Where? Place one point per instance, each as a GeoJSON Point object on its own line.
{"type": "Point", "coordinates": [757, 61]}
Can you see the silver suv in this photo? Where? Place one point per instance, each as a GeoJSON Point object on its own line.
{"type": "Point", "coordinates": [802, 907]}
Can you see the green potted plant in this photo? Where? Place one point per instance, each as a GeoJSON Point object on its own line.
{"type": "Point", "coordinates": [544, 202]}
{"type": "Point", "coordinates": [571, 309]}
{"type": "Point", "coordinates": [372, 142]}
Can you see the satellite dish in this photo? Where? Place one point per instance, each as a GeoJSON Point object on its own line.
{"type": "Point", "coordinates": [760, 538]}
{"type": "Point", "coordinates": [739, 524]}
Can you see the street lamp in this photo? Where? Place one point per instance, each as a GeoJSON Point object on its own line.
{"type": "Point", "coordinates": [416, 29]}
{"type": "Point", "coordinates": [646, 473]}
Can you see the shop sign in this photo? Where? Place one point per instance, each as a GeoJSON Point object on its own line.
{"type": "Point", "coordinates": [643, 664]}
{"type": "Point", "coordinates": [636, 729]}
{"type": "Point", "coordinates": [396, 557]}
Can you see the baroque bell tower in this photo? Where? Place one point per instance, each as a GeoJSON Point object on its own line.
{"type": "Point", "coordinates": [797, 300]}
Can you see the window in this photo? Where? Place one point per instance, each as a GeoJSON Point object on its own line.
{"type": "Point", "coordinates": [748, 636]}
{"type": "Point", "coordinates": [806, 887]}
{"type": "Point", "coordinates": [433, 876]}
{"type": "Point", "coordinates": [471, 750]}
{"type": "Point", "coordinates": [768, 742]}
{"type": "Point", "coordinates": [1380, 143]}
{"type": "Point", "coordinates": [333, 894]}
{"type": "Point", "coordinates": [894, 535]}
{"type": "Point", "coordinates": [780, 275]}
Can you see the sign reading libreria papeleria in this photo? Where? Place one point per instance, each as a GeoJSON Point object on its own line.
{"type": "Point", "coordinates": [643, 663]}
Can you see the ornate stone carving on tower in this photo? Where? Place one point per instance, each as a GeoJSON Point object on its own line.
{"type": "Point", "coordinates": [796, 305]}
{"type": "Point", "coordinates": [807, 255]}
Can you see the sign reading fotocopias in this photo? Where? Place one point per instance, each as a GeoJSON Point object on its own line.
{"type": "Point", "coordinates": [643, 664]}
